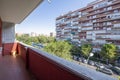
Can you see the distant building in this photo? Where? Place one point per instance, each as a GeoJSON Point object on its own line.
{"type": "Point", "coordinates": [97, 23]}
{"type": "Point", "coordinates": [33, 34]}
{"type": "Point", "coordinates": [51, 34]}
{"type": "Point", "coordinates": [19, 34]}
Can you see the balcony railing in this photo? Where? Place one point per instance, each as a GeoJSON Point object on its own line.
{"type": "Point", "coordinates": [45, 66]}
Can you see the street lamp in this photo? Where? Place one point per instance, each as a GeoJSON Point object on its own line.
{"type": "Point", "coordinates": [90, 55]}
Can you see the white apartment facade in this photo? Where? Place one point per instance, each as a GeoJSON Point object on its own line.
{"type": "Point", "coordinates": [98, 23]}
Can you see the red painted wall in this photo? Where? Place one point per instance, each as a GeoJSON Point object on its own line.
{"type": "Point", "coordinates": [22, 51]}
{"type": "Point", "coordinates": [44, 68]}
{"type": "Point", "coordinates": [8, 48]}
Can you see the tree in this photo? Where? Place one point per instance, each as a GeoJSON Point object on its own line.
{"type": "Point", "coordinates": [50, 39]}
{"type": "Point", "coordinates": [37, 39]}
{"type": "Point", "coordinates": [44, 39]}
{"type": "Point", "coordinates": [86, 49]}
{"type": "Point", "coordinates": [27, 39]}
{"type": "Point", "coordinates": [59, 48]}
{"type": "Point", "coordinates": [76, 50]}
{"type": "Point", "coordinates": [108, 52]}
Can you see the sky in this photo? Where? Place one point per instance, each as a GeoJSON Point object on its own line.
{"type": "Point", "coordinates": [42, 19]}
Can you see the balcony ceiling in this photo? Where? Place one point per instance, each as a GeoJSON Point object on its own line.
{"type": "Point", "coordinates": [16, 11]}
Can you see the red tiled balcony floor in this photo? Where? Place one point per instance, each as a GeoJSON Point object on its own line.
{"type": "Point", "coordinates": [13, 68]}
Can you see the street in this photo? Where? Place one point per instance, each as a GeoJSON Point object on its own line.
{"type": "Point", "coordinates": [93, 67]}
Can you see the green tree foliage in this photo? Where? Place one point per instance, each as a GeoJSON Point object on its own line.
{"type": "Point", "coordinates": [59, 48]}
{"type": "Point", "coordinates": [27, 39]}
{"type": "Point", "coordinates": [86, 49]}
{"type": "Point", "coordinates": [108, 51]}
{"type": "Point", "coordinates": [37, 39]}
{"type": "Point", "coordinates": [50, 39]}
{"type": "Point", "coordinates": [76, 50]}
{"type": "Point", "coordinates": [44, 39]}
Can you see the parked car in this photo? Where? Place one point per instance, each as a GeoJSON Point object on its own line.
{"type": "Point", "coordinates": [109, 66]}
{"type": "Point", "coordinates": [84, 60]}
{"type": "Point", "coordinates": [91, 63]}
{"type": "Point", "coordinates": [116, 70]}
{"type": "Point", "coordinates": [80, 59]}
{"type": "Point", "coordinates": [99, 65]}
{"type": "Point", "coordinates": [76, 58]}
{"type": "Point", "coordinates": [106, 71]}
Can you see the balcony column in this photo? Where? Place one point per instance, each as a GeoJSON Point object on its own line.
{"type": "Point", "coordinates": [8, 38]}
{"type": "Point", "coordinates": [0, 36]}
{"type": "Point", "coordinates": [0, 32]}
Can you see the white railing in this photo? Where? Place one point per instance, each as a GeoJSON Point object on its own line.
{"type": "Point", "coordinates": [116, 25]}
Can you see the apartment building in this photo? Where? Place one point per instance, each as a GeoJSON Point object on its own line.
{"type": "Point", "coordinates": [98, 23]}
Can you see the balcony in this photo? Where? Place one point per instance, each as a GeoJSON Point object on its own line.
{"type": "Point", "coordinates": [13, 68]}
{"type": "Point", "coordinates": [31, 63]}
{"type": "Point", "coordinates": [116, 1]}
{"type": "Point", "coordinates": [42, 66]}
{"type": "Point", "coordinates": [107, 19]}
{"type": "Point", "coordinates": [83, 18]}
{"type": "Point", "coordinates": [111, 9]}
{"type": "Point", "coordinates": [74, 27]}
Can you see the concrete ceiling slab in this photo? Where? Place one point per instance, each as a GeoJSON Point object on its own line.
{"type": "Point", "coordinates": [15, 11]}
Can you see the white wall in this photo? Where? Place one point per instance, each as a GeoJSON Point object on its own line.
{"type": "Point", "coordinates": [113, 36]}
{"type": "Point", "coordinates": [87, 28]}
{"type": "Point", "coordinates": [100, 41]}
{"type": "Point", "coordinates": [89, 36]}
{"type": "Point", "coordinates": [99, 31]}
{"type": "Point", "coordinates": [8, 32]}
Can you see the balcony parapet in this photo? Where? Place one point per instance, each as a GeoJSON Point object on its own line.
{"type": "Point", "coordinates": [49, 67]}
